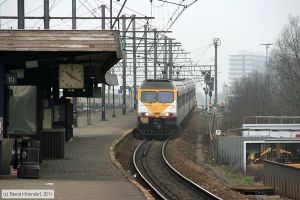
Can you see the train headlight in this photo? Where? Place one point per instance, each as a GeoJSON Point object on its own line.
{"type": "Point", "coordinates": [145, 114]}
{"type": "Point", "coordinates": [168, 114]}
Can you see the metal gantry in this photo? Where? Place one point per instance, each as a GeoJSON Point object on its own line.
{"type": "Point", "coordinates": [148, 53]}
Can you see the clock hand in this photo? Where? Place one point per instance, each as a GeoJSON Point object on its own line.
{"type": "Point", "coordinates": [73, 77]}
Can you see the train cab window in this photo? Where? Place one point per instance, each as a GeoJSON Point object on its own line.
{"type": "Point", "coordinates": [149, 97]}
{"type": "Point", "coordinates": [165, 97]}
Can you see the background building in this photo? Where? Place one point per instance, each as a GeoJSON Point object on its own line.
{"type": "Point", "coordinates": [242, 64]}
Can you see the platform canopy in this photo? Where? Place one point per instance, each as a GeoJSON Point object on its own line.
{"type": "Point", "coordinates": [97, 50]}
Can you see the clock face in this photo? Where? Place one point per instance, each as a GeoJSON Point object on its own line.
{"type": "Point", "coordinates": [71, 76]}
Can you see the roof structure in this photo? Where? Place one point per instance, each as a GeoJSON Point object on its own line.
{"type": "Point", "coordinates": [97, 50]}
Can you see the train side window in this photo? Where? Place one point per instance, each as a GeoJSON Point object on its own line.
{"type": "Point", "coordinates": [179, 100]}
{"type": "Point", "coordinates": [186, 97]}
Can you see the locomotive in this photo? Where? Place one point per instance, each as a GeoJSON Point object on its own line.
{"type": "Point", "coordinates": [163, 105]}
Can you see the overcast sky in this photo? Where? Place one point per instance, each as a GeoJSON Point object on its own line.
{"type": "Point", "coordinates": [240, 24]}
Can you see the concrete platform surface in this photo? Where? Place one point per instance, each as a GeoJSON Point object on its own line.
{"type": "Point", "coordinates": [86, 172]}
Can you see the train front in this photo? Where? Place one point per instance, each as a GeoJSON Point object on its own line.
{"type": "Point", "coordinates": [157, 110]}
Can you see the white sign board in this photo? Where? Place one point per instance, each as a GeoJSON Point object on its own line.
{"type": "Point", "coordinates": [32, 64]}
{"type": "Point", "coordinates": [218, 132]}
{"type": "Point", "coordinates": [271, 130]}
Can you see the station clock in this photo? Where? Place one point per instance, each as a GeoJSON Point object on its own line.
{"type": "Point", "coordinates": [71, 76]}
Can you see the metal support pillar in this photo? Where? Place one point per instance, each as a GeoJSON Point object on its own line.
{"type": "Point", "coordinates": [46, 14]}
{"type": "Point", "coordinates": [206, 92]}
{"type": "Point", "coordinates": [103, 102]}
{"type": "Point", "coordinates": [21, 14]}
{"type": "Point", "coordinates": [170, 63]}
{"type": "Point", "coordinates": [110, 10]}
{"type": "Point", "coordinates": [2, 100]}
{"type": "Point", "coordinates": [134, 63]}
{"type": "Point", "coordinates": [108, 96]}
{"type": "Point", "coordinates": [103, 84]}
{"type": "Point", "coordinates": [74, 14]}
{"type": "Point", "coordinates": [103, 28]}
{"type": "Point", "coordinates": [209, 104]}
{"type": "Point", "coordinates": [75, 112]}
{"type": "Point", "coordinates": [206, 101]}
{"type": "Point", "coordinates": [165, 75]}
{"type": "Point", "coordinates": [113, 93]}
{"type": "Point", "coordinates": [155, 52]}
{"type": "Point", "coordinates": [113, 88]}
{"type": "Point", "coordinates": [216, 44]}
{"type": "Point", "coordinates": [124, 63]}
{"type": "Point", "coordinates": [267, 45]}
{"type": "Point", "coordinates": [88, 111]}
{"type": "Point", "coordinates": [0, 19]}
{"type": "Point", "coordinates": [145, 52]}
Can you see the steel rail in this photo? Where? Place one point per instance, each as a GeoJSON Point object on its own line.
{"type": "Point", "coordinates": [156, 188]}
{"type": "Point", "coordinates": [140, 173]}
{"type": "Point", "coordinates": [208, 195]}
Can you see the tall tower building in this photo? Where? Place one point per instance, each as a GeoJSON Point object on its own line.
{"type": "Point", "coordinates": [243, 64]}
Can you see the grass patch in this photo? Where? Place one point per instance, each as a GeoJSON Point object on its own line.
{"type": "Point", "coordinates": [248, 180]}
{"type": "Point", "coordinates": [245, 180]}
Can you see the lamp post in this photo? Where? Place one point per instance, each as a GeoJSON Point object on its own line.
{"type": "Point", "coordinates": [206, 92]}
{"type": "Point", "coordinates": [267, 45]}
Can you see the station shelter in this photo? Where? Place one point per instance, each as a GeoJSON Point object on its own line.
{"type": "Point", "coordinates": [38, 70]}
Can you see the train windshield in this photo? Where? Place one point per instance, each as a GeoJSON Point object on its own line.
{"type": "Point", "coordinates": [149, 97]}
{"type": "Point", "coordinates": [165, 97]}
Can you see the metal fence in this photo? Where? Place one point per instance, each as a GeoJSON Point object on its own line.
{"type": "Point", "coordinates": [232, 150]}
{"type": "Point", "coordinates": [285, 179]}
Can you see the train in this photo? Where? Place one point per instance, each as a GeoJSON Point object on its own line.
{"type": "Point", "coordinates": [163, 105]}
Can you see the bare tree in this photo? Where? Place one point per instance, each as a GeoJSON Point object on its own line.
{"type": "Point", "coordinates": [252, 95]}
{"type": "Point", "coordinates": [276, 92]}
{"type": "Point", "coordinates": [285, 61]}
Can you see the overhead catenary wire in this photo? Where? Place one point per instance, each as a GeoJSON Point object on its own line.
{"type": "Point", "coordinates": [92, 10]}
{"type": "Point", "coordinates": [31, 11]}
{"type": "Point", "coordinates": [3, 2]}
{"type": "Point", "coordinates": [51, 7]}
{"type": "Point", "coordinates": [204, 53]}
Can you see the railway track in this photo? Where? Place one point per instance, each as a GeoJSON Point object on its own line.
{"type": "Point", "coordinates": [165, 182]}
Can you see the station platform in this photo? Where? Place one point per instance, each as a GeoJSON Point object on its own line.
{"type": "Point", "coordinates": [87, 171]}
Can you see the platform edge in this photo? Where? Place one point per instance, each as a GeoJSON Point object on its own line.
{"type": "Point", "coordinates": [120, 167]}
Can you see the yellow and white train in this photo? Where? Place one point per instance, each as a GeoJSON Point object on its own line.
{"type": "Point", "coordinates": [163, 105]}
